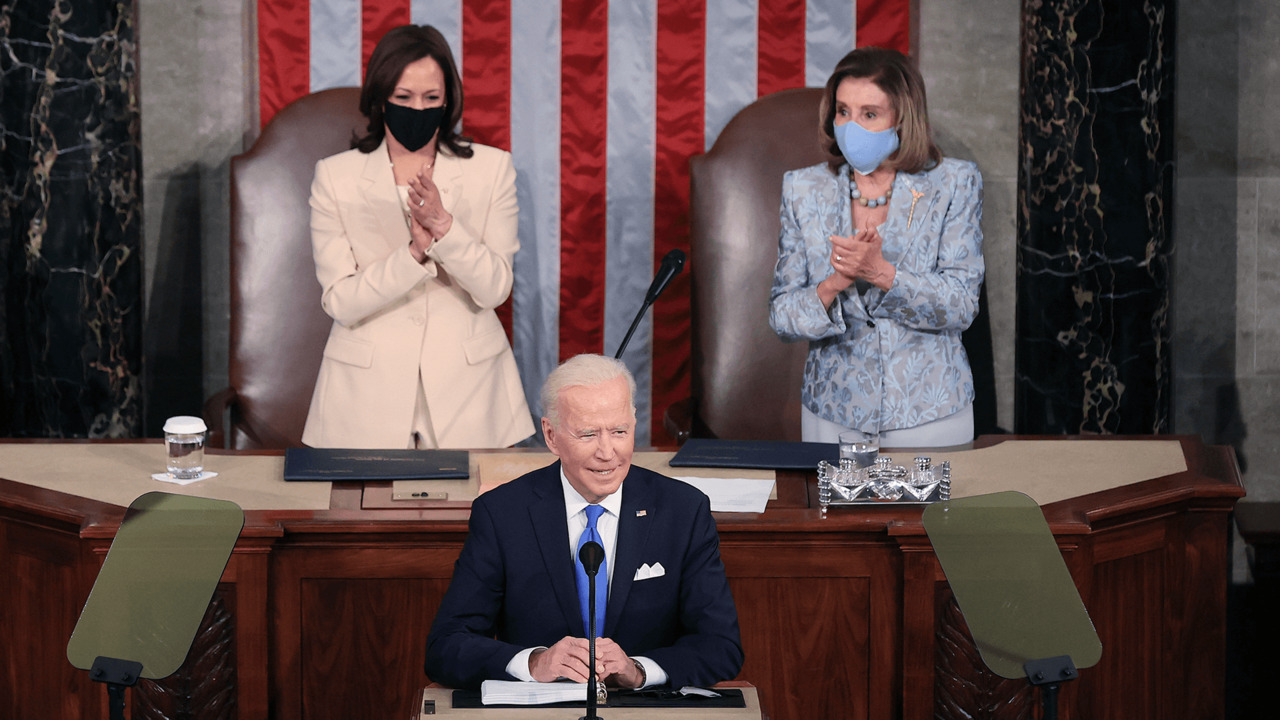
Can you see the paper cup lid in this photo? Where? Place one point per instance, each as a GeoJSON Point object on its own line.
{"type": "Point", "coordinates": [184, 425]}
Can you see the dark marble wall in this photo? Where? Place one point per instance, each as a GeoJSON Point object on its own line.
{"type": "Point", "coordinates": [1095, 209]}
{"type": "Point", "coordinates": [70, 220]}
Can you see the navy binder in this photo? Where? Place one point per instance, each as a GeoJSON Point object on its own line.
{"type": "Point", "coordinates": [757, 454]}
{"type": "Point", "coordinates": [339, 465]}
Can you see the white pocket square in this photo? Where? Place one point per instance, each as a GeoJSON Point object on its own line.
{"type": "Point", "coordinates": [647, 571]}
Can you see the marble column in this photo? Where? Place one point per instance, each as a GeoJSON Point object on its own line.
{"type": "Point", "coordinates": [70, 220]}
{"type": "Point", "coordinates": [1094, 225]}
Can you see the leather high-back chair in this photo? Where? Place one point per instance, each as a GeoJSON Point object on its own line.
{"type": "Point", "coordinates": [746, 381]}
{"type": "Point", "coordinates": [278, 328]}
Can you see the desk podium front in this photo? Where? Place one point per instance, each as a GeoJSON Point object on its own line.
{"type": "Point", "coordinates": [324, 613]}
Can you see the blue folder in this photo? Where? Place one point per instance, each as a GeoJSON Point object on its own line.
{"type": "Point", "coordinates": [758, 454]}
{"type": "Point", "coordinates": [339, 465]}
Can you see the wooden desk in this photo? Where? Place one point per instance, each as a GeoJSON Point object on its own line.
{"type": "Point", "coordinates": [324, 613]}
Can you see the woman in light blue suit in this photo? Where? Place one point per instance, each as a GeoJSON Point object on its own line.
{"type": "Point", "coordinates": [880, 264]}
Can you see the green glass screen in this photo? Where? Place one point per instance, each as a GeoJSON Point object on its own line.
{"type": "Point", "coordinates": [1011, 582]}
{"type": "Point", "coordinates": [156, 582]}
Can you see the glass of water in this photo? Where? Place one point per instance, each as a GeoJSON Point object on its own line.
{"type": "Point", "coordinates": [184, 441]}
{"type": "Point", "coordinates": [861, 447]}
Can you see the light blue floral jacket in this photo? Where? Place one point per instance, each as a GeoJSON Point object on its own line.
{"type": "Point", "coordinates": [877, 359]}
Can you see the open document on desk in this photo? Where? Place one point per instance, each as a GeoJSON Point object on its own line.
{"type": "Point", "coordinates": [505, 692]}
{"type": "Point", "coordinates": [508, 694]}
{"type": "Point", "coordinates": [728, 701]}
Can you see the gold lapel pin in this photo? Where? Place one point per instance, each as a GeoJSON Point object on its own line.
{"type": "Point", "coordinates": [915, 197]}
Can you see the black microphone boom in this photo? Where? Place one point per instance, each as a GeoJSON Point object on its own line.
{"type": "Point", "coordinates": [591, 554]}
{"type": "Point", "coordinates": [672, 264]}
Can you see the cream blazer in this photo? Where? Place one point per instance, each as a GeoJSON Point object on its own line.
{"type": "Point", "coordinates": [394, 319]}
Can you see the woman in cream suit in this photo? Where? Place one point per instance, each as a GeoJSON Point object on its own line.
{"type": "Point", "coordinates": [413, 232]}
{"type": "Point", "coordinates": [880, 265]}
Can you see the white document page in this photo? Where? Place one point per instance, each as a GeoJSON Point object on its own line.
{"type": "Point", "coordinates": [733, 494]}
{"type": "Point", "coordinates": [513, 692]}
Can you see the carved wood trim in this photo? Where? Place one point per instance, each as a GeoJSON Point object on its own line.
{"type": "Point", "coordinates": [205, 685]}
{"type": "Point", "coordinates": [963, 686]}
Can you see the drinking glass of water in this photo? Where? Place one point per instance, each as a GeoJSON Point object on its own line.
{"type": "Point", "coordinates": [861, 447]}
{"type": "Point", "coordinates": [184, 440]}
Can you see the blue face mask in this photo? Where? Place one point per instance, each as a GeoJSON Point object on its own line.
{"type": "Point", "coordinates": [863, 149]}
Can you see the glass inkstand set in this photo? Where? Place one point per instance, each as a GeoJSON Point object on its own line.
{"type": "Point", "coordinates": [882, 482]}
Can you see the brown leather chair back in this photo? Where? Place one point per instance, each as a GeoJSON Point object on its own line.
{"type": "Point", "coordinates": [746, 381]}
{"type": "Point", "coordinates": [278, 328]}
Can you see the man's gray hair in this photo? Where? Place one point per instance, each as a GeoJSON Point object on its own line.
{"type": "Point", "coordinates": [585, 371]}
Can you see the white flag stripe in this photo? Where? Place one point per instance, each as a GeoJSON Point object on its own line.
{"type": "Point", "coordinates": [445, 16]}
{"type": "Point", "coordinates": [535, 147]}
{"type": "Point", "coordinates": [335, 44]}
{"type": "Point", "coordinates": [732, 48]}
{"type": "Point", "coordinates": [629, 193]}
{"type": "Point", "coordinates": [829, 36]}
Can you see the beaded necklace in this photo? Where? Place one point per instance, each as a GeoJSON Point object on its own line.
{"type": "Point", "coordinates": [856, 194]}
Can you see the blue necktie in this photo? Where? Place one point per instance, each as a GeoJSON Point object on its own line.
{"type": "Point", "coordinates": [602, 577]}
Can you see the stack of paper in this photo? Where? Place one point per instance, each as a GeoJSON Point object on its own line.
{"type": "Point", "coordinates": [505, 692]}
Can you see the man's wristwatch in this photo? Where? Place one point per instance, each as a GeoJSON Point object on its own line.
{"type": "Point", "coordinates": [644, 676]}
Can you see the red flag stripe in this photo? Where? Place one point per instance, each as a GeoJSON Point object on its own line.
{"type": "Point", "coordinates": [486, 40]}
{"type": "Point", "coordinates": [284, 55]}
{"type": "Point", "coordinates": [780, 63]}
{"type": "Point", "coordinates": [679, 129]}
{"type": "Point", "coordinates": [884, 24]}
{"type": "Point", "coordinates": [583, 106]}
{"type": "Point", "coordinates": [376, 18]}
{"type": "Point", "coordinates": [486, 78]}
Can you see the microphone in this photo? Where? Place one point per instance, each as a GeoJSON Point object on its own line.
{"type": "Point", "coordinates": [672, 264]}
{"type": "Point", "coordinates": [591, 555]}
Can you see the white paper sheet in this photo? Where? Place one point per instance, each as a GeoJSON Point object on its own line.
{"type": "Point", "coordinates": [733, 494]}
{"type": "Point", "coordinates": [166, 477]}
{"type": "Point", "coordinates": [509, 692]}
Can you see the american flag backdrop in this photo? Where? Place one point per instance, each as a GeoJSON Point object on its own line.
{"type": "Point", "coordinates": [601, 104]}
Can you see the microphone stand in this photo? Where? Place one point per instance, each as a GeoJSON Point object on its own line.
{"type": "Point", "coordinates": [591, 554]}
{"type": "Point", "coordinates": [634, 324]}
{"type": "Point", "coordinates": [592, 699]}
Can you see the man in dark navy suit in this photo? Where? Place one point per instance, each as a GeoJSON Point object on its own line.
{"type": "Point", "coordinates": [514, 610]}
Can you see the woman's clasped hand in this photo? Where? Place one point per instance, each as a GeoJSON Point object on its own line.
{"type": "Point", "coordinates": [430, 220]}
{"type": "Point", "coordinates": [860, 257]}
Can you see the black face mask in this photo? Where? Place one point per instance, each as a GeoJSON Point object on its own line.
{"type": "Point", "coordinates": [412, 128]}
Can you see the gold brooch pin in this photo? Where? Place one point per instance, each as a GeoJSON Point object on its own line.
{"type": "Point", "coordinates": [915, 197]}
